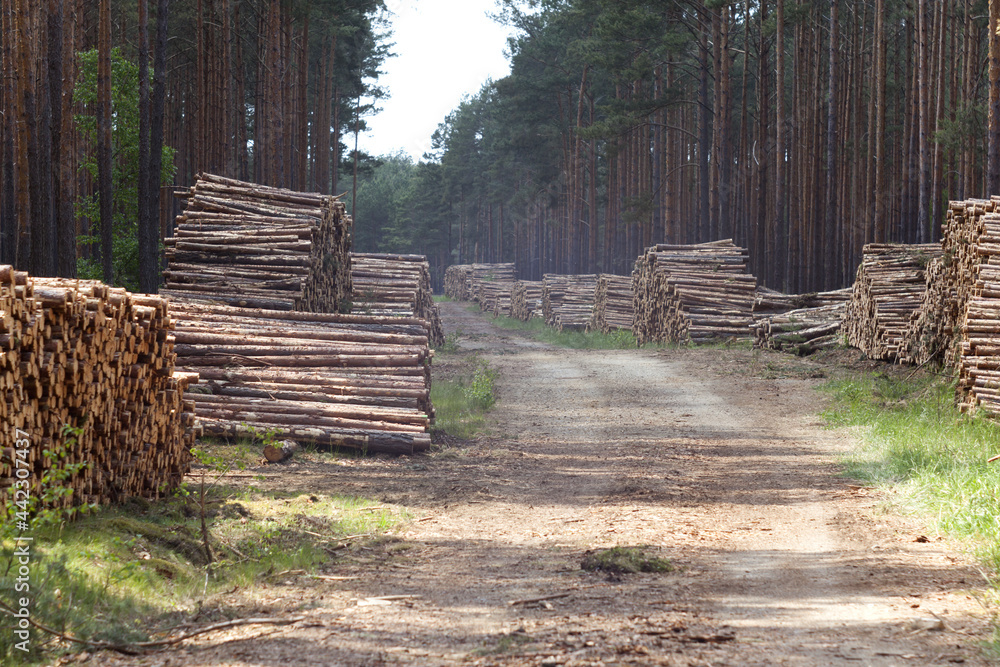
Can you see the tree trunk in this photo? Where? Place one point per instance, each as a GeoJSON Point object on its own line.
{"type": "Point", "coordinates": [148, 266]}
{"type": "Point", "coordinates": [8, 208]}
{"type": "Point", "coordinates": [156, 132]}
{"type": "Point", "coordinates": [923, 97]}
{"type": "Point", "coordinates": [993, 147]}
{"type": "Point", "coordinates": [104, 154]}
{"type": "Point", "coordinates": [780, 256]}
{"type": "Point", "coordinates": [830, 223]}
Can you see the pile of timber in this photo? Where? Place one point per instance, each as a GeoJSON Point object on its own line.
{"type": "Point", "coordinates": [490, 292]}
{"type": "Point", "coordinates": [99, 360]}
{"type": "Point", "coordinates": [461, 279]}
{"type": "Point", "coordinates": [613, 303]}
{"type": "Point", "coordinates": [930, 335]}
{"type": "Point", "coordinates": [248, 245]}
{"type": "Point", "coordinates": [889, 287]}
{"type": "Point", "coordinates": [397, 286]}
{"type": "Point", "coordinates": [359, 382]}
{"type": "Point", "coordinates": [768, 302]}
{"type": "Point", "coordinates": [455, 280]}
{"type": "Point", "coordinates": [501, 306]}
{"type": "Point", "coordinates": [978, 341]}
{"type": "Point", "coordinates": [692, 293]}
{"type": "Point", "coordinates": [934, 333]}
{"type": "Point", "coordinates": [802, 331]}
{"type": "Point", "coordinates": [568, 300]}
{"type": "Point", "coordinates": [526, 300]}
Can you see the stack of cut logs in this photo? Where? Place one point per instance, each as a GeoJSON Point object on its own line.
{"type": "Point", "coordinates": [799, 323]}
{"type": "Point", "coordinates": [568, 300]}
{"type": "Point", "coordinates": [888, 289]}
{"type": "Point", "coordinates": [526, 300]}
{"type": "Point", "coordinates": [769, 302]}
{"type": "Point", "coordinates": [250, 245]}
{"type": "Point", "coordinates": [353, 381]}
{"type": "Point", "coordinates": [98, 360]}
{"type": "Point", "coordinates": [492, 291]}
{"type": "Point", "coordinates": [460, 279]}
{"type": "Point", "coordinates": [935, 333]}
{"type": "Point", "coordinates": [802, 331]}
{"type": "Point", "coordinates": [930, 335]}
{"type": "Point", "coordinates": [613, 303]}
{"type": "Point", "coordinates": [501, 306]}
{"type": "Point", "coordinates": [397, 286]}
{"type": "Point", "coordinates": [965, 331]}
{"type": "Point", "coordinates": [695, 293]}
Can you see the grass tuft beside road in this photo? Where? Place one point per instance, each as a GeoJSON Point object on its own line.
{"type": "Point", "coordinates": [461, 402]}
{"type": "Point", "coordinates": [931, 458]}
{"type": "Point", "coordinates": [577, 340]}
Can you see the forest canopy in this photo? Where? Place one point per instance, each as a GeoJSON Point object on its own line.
{"type": "Point", "coordinates": [802, 130]}
{"type": "Point", "coordinates": [108, 104]}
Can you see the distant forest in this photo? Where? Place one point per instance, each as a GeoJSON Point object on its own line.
{"type": "Point", "coordinates": [802, 130]}
{"type": "Point", "coordinates": [108, 104]}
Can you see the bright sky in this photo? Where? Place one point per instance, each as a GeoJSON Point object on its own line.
{"type": "Point", "coordinates": [446, 49]}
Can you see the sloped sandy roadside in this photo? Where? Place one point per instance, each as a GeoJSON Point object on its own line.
{"type": "Point", "coordinates": [730, 476]}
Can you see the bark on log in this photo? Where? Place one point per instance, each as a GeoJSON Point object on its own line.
{"type": "Point", "coordinates": [353, 381]}
{"type": "Point", "coordinates": [282, 452]}
{"type": "Point", "coordinates": [257, 235]}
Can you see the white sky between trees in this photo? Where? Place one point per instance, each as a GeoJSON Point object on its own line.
{"type": "Point", "coordinates": [445, 50]}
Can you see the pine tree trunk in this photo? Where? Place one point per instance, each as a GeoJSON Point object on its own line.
{"type": "Point", "coordinates": [923, 118]}
{"type": "Point", "coordinates": [830, 222]}
{"type": "Point", "coordinates": [879, 216]}
{"type": "Point", "coordinates": [781, 222]}
{"type": "Point", "coordinates": [993, 147]}
{"type": "Point", "coordinates": [8, 208]}
{"type": "Point", "coordinates": [66, 231]}
{"type": "Point", "coordinates": [104, 155]}
{"type": "Point", "coordinates": [147, 234]}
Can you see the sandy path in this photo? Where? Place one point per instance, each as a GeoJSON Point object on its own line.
{"type": "Point", "coordinates": [731, 477]}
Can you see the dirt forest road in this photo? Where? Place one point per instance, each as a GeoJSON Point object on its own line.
{"type": "Point", "coordinates": [688, 452]}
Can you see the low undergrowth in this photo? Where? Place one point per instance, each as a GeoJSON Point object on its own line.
{"type": "Point", "coordinates": [122, 574]}
{"type": "Point", "coordinates": [624, 560]}
{"type": "Point", "coordinates": [461, 402]}
{"type": "Point", "coordinates": [933, 459]}
{"type": "Point", "coordinates": [578, 340]}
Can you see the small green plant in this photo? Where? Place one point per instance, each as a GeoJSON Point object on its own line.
{"type": "Point", "coordinates": [624, 560]}
{"type": "Point", "coordinates": [480, 391]}
{"type": "Point", "coordinates": [51, 503]}
{"type": "Point", "coordinates": [450, 344]}
{"type": "Point", "coordinates": [461, 404]}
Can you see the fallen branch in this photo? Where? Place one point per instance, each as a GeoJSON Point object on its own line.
{"type": "Point", "coordinates": [544, 598]}
{"type": "Point", "coordinates": [140, 647]}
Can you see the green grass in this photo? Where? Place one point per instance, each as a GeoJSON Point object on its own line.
{"type": "Point", "coordinates": [579, 340]}
{"type": "Point", "coordinates": [461, 404]}
{"type": "Point", "coordinates": [450, 344]}
{"type": "Point", "coordinates": [120, 573]}
{"type": "Point", "coordinates": [932, 458]}
{"type": "Point", "coordinates": [624, 560]}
